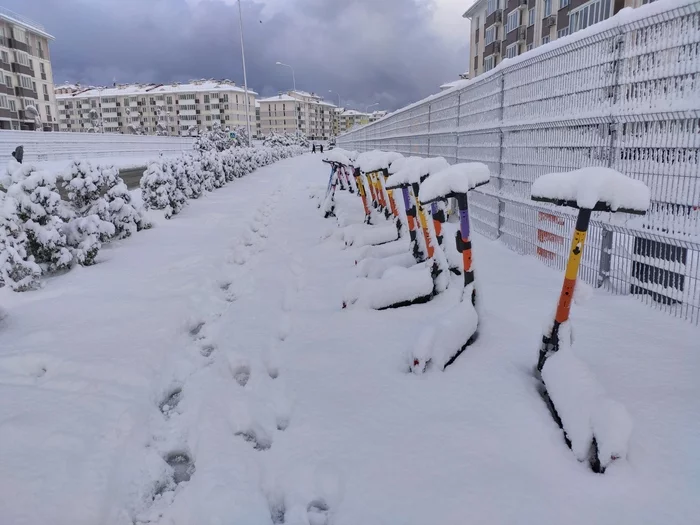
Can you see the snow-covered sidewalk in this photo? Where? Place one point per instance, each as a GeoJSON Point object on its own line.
{"type": "Point", "coordinates": [208, 362]}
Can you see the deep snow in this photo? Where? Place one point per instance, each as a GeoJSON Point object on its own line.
{"type": "Point", "coordinates": [218, 338]}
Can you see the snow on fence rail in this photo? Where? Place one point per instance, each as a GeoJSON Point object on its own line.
{"type": "Point", "coordinates": [625, 94]}
{"type": "Point", "coordinates": [48, 146]}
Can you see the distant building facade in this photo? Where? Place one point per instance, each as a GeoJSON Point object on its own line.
{"type": "Point", "coordinates": [297, 111]}
{"type": "Point", "coordinates": [507, 28]}
{"type": "Point", "coordinates": [26, 79]}
{"type": "Point", "coordinates": [172, 109]}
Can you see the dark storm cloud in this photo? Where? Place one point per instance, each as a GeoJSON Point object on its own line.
{"type": "Point", "coordinates": [369, 51]}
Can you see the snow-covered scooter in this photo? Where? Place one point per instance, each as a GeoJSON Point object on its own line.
{"type": "Point", "coordinates": [596, 428]}
{"type": "Point", "coordinates": [440, 345]}
{"type": "Point", "coordinates": [404, 283]}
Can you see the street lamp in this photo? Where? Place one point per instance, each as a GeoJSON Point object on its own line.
{"type": "Point", "coordinates": [371, 106]}
{"type": "Point", "coordinates": [331, 91]}
{"type": "Point", "coordinates": [294, 82]}
{"type": "Point", "coordinates": [245, 77]}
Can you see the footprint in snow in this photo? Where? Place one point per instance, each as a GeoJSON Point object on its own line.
{"type": "Point", "coordinates": [196, 329]}
{"type": "Point", "coordinates": [170, 402]}
{"type": "Point", "coordinates": [242, 374]}
{"type": "Point", "coordinates": [318, 512]}
{"type": "Point", "coordinates": [207, 349]}
{"type": "Point", "coordinates": [182, 465]}
{"type": "Point", "coordinates": [257, 437]}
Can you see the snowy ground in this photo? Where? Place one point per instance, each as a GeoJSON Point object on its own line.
{"type": "Point", "coordinates": [289, 405]}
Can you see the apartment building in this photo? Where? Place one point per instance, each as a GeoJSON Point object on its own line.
{"type": "Point", "coordinates": [26, 80]}
{"type": "Point", "coordinates": [172, 109]}
{"type": "Point", "coordinates": [507, 28]}
{"type": "Point", "coordinates": [297, 110]}
{"type": "Point", "coordinates": [345, 119]}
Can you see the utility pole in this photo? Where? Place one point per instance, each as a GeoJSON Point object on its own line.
{"type": "Point", "coordinates": [245, 77]}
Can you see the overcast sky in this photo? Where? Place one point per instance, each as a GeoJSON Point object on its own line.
{"type": "Point", "coordinates": [388, 51]}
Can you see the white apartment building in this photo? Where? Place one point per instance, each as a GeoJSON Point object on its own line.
{"type": "Point", "coordinates": [347, 118]}
{"type": "Point", "coordinates": [297, 111]}
{"type": "Point", "coordinates": [173, 109]}
{"type": "Point", "coordinates": [507, 28]}
{"type": "Point", "coordinates": [26, 77]}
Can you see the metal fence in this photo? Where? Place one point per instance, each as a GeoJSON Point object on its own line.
{"type": "Point", "coordinates": [623, 94]}
{"type": "Point", "coordinates": [48, 146]}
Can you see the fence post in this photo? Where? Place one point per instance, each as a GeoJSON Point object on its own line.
{"type": "Point", "coordinates": [500, 131]}
{"type": "Point", "coordinates": [501, 217]}
{"type": "Point", "coordinates": [459, 111]}
{"type": "Point", "coordinates": [606, 245]}
{"type": "Point", "coordinates": [430, 111]}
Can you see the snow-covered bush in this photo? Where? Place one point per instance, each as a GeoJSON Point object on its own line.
{"type": "Point", "coordinates": [17, 269]}
{"type": "Point", "coordinates": [160, 191]}
{"type": "Point", "coordinates": [217, 139]}
{"type": "Point", "coordinates": [84, 185]}
{"type": "Point", "coordinates": [123, 214]}
{"type": "Point", "coordinates": [286, 139]}
{"type": "Point", "coordinates": [35, 201]}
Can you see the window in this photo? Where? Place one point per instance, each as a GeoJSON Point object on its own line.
{"type": "Point", "coordinates": [529, 47]}
{"type": "Point", "coordinates": [489, 62]}
{"type": "Point", "coordinates": [563, 3]}
{"type": "Point", "coordinates": [5, 57]}
{"type": "Point", "coordinates": [588, 14]}
{"type": "Point", "coordinates": [22, 58]}
{"type": "Point", "coordinates": [8, 81]}
{"type": "Point", "coordinates": [169, 100]}
{"type": "Point", "coordinates": [25, 82]}
{"type": "Point", "coordinates": [512, 51]}
{"type": "Point", "coordinates": [46, 92]}
{"type": "Point", "coordinates": [189, 96]}
{"type": "Point", "coordinates": [41, 49]}
{"type": "Point", "coordinates": [545, 40]}
{"type": "Point", "coordinates": [206, 99]}
{"type": "Point", "coordinates": [19, 34]}
{"type": "Point", "coordinates": [48, 110]}
{"type": "Point", "coordinates": [42, 68]}
{"type": "Point", "coordinates": [513, 20]}
{"type": "Point", "coordinates": [491, 34]}
{"type": "Point", "coordinates": [547, 7]}
{"type": "Point", "coordinates": [491, 6]}
{"type": "Point", "coordinates": [562, 32]}
{"type": "Point", "coordinates": [531, 17]}
{"type": "Point", "coordinates": [3, 101]}
{"type": "Point", "coordinates": [223, 98]}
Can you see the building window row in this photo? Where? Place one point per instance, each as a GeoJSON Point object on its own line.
{"type": "Point", "coordinates": [589, 14]}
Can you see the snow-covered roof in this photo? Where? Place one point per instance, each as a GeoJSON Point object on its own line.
{"type": "Point", "coordinates": [588, 186]}
{"type": "Point", "coordinates": [458, 178]}
{"type": "Point", "coordinates": [279, 98]}
{"type": "Point", "coordinates": [150, 89]}
{"type": "Point", "coordinates": [353, 113]}
{"type": "Point", "coordinates": [478, 4]}
{"type": "Point", "coordinates": [26, 23]}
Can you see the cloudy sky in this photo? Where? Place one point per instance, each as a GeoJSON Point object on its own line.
{"type": "Point", "coordinates": [388, 51]}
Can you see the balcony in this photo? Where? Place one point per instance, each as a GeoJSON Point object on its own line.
{"type": "Point", "coordinates": [24, 92]}
{"type": "Point", "coordinates": [25, 70]}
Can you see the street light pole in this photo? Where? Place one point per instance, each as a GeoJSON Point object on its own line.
{"type": "Point", "coordinates": [294, 81]}
{"type": "Point", "coordinates": [245, 76]}
{"type": "Point", "coordinates": [370, 106]}
{"type": "Point", "coordinates": [331, 91]}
